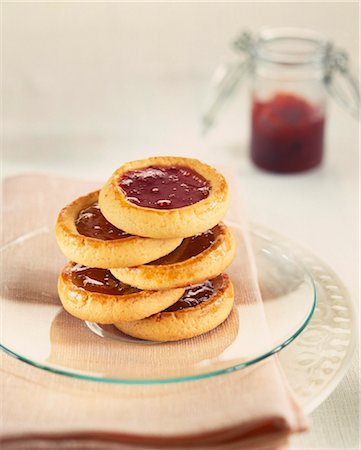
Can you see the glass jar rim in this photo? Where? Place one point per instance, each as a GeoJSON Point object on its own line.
{"type": "Point", "coordinates": [291, 46]}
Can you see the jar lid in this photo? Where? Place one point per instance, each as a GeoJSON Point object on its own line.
{"type": "Point", "coordinates": [286, 46]}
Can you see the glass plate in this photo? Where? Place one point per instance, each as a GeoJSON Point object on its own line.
{"type": "Point", "coordinates": [38, 331]}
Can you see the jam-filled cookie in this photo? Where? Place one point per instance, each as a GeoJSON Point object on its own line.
{"type": "Point", "coordinates": [198, 258]}
{"type": "Point", "coordinates": [94, 294]}
{"type": "Point", "coordinates": [86, 237]}
{"type": "Point", "coordinates": [201, 308]}
{"type": "Point", "coordinates": [164, 197]}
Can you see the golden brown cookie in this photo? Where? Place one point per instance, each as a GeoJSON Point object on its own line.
{"type": "Point", "coordinates": [86, 237]}
{"type": "Point", "coordinates": [95, 295]}
{"type": "Point", "coordinates": [164, 197]}
{"type": "Point", "coordinates": [201, 308]}
{"type": "Point", "coordinates": [198, 258]}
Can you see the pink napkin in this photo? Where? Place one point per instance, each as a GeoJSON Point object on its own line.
{"type": "Point", "coordinates": [248, 409]}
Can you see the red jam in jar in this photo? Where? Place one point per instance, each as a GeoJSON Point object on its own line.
{"type": "Point", "coordinates": [287, 134]}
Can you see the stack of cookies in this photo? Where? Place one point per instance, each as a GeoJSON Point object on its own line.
{"type": "Point", "coordinates": [147, 252]}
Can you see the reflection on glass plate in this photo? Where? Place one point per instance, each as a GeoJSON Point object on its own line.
{"type": "Point", "coordinates": [38, 331]}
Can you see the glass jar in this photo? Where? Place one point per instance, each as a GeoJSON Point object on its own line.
{"type": "Point", "coordinates": [288, 101]}
{"type": "Point", "coordinates": [291, 72]}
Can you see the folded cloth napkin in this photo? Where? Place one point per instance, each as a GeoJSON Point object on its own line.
{"type": "Point", "coordinates": [248, 409]}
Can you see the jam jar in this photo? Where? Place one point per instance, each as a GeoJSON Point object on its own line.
{"type": "Point", "coordinates": [292, 71]}
{"type": "Point", "coordinates": [288, 101]}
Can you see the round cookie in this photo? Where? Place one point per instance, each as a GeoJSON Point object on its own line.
{"type": "Point", "coordinates": [86, 237]}
{"type": "Point", "coordinates": [164, 197]}
{"type": "Point", "coordinates": [198, 258]}
{"type": "Point", "coordinates": [202, 308]}
{"type": "Point", "coordinates": [94, 294]}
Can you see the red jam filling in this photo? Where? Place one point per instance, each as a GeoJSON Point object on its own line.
{"type": "Point", "coordinates": [163, 187]}
{"type": "Point", "coordinates": [99, 280]}
{"type": "Point", "coordinates": [287, 134]}
{"type": "Point", "coordinates": [189, 247]}
{"type": "Point", "coordinates": [91, 222]}
{"type": "Point", "coordinates": [193, 296]}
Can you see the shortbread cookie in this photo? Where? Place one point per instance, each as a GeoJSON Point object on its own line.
{"type": "Point", "coordinates": [198, 258]}
{"type": "Point", "coordinates": [164, 197]}
{"type": "Point", "coordinates": [86, 237]}
{"type": "Point", "coordinates": [94, 294]}
{"type": "Point", "coordinates": [201, 308]}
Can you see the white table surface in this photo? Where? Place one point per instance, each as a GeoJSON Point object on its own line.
{"type": "Point", "coordinates": [159, 114]}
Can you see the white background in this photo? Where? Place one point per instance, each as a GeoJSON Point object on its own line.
{"type": "Point", "coordinates": [87, 86]}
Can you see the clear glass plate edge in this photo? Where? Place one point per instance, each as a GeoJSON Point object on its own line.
{"type": "Point", "coordinates": [318, 269]}
{"type": "Point", "coordinates": [264, 233]}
